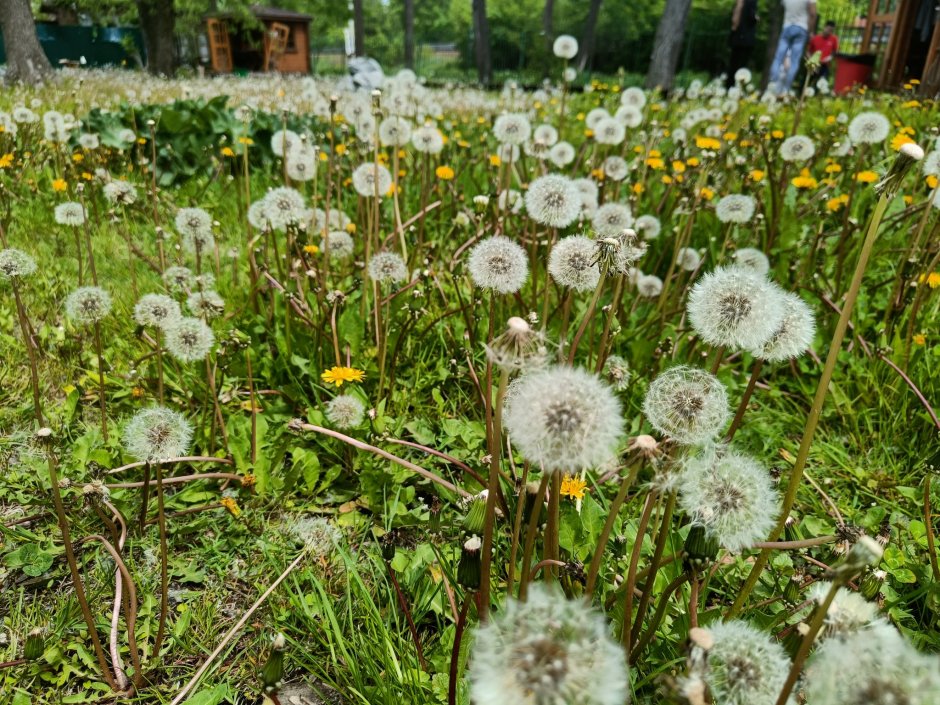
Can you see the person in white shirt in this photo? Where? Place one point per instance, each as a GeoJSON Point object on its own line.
{"type": "Point", "coordinates": [799, 16]}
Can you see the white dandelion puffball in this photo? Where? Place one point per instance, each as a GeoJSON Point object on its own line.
{"type": "Point", "coordinates": [345, 411]}
{"type": "Point", "coordinates": [553, 200]}
{"type": "Point", "coordinates": [508, 152]}
{"type": "Point", "coordinates": [189, 339]}
{"type": "Point", "coordinates": [735, 208]}
{"type": "Point", "coordinates": [387, 267]}
{"type": "Point", "coordinates": [869, 128]}
{"type": "Point", "coordinates": [732, 307]}
{"type": "Point", "coordinates": [156, 310]}
{"type": "Point", "coordinates": [427, 139]}
{"type": "Point", "coordinates": [179, 279]}
{"type": "Point", "coordinates": [634, 97]}
{"type": "Point", "coordinates": [70, 213]}
{"type": "Point", "coordinates": [798, 148]}
{"type": "Point", "coordinates": [193, 222]}
{"type": "Point", "coordinates": [649, 286]}
{"type": "Point", "coordinates": [283, 141]}
{"type": "Point", "coordinates": [742, 76]}
{"type": "Point", "coordinates": [302, 162]}
{"type": "Point", "coordinates": [498, 264]}
{"type": "Point", "coordinates": [648, 226]}
{"type": "Point", "coordinates": [88, 305]}
{"type": "Point", "coordinates": [594, 117]}
{"type": "Point", "coordinates": [745, 666]}
{"type": "Point", "coordinates": [569, 74]}
{"type": "Point", "coordinates": [510, 200]}
{"type": "Point", "coordinates": [875, 666]}
{"type": "Point", "coordinates": [394, 131]}
{"type": "Point", "coordinates": [15, 264]}
{"type": "Point", "coordinates": [731, 495]}
{"type": "Point", "coordinates": [339, 243]}
{"type": "Point", "coordinates": [573, 263]}
{"type": "Point", "coordinates": [564, 419]}
{"type": "Point", "coordinates": [688, 259]}
{"type": "Point", "coordinates": [565, 46]}
{"type": "Point", "coordinates": [545, 134]}
{"type": "Point", "coordinates": [547, 650]}
{"type": "Point", "coordinates": [752, 260]}
{"type": "Point", "coordinates": [562, 154]}
{"type": "Point", "coordinates": [370, 180]}
{"type": "Point", "coordinates": [616, 168]}
{"type": "Point", "coordinates": [609, 131]}
{"type": "Point", "coordinates": [611, 219]}
{"type": "Point", "coordinates": [282, 207]}
{"type": "Point", "coordinates": [157, 434]}
{"type": "Point", "coordinates": [629, 116]}
{"type": "Point", "coordinates": [931, 163]}
{"type": "Point", "coordinates": [512, 128]}
{"type": "Point", "coordinates": [687, 404]}
{"type": "Point", "coordinates": [794, 335]}
{"type": "Point", "coordinates": [120, 192]}
{"type": "Point", "coordinates": [848, 612]}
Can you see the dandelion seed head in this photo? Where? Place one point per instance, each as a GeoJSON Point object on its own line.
{"type": "Point", "coordinates": [564, 419]}
{"type": "Point", "coordinates": [553, 200]}
{"type": "Point", "coordinates": [70, 213]}
{"type": "Point", "coordinates": [205, 304]}
{"type": "Point", "coordinates": [648, 226]}
{"type": "Point", "coordinates": [610, 131]}
{"type": "Point", "coordinates": [735, 208]}
{"type": "Point", "coordinates": [518, 347]}
{"type": "Point", "coordinates": [573, 263]}
{"type": "Point", "coordinates": [282, 141]}
{"type": "Point", "coordinates": [848, 612]}
{"type": "Point", "coordinates": [345, 411]}
{"type": "Point", "coordinates": [634, 97]}
{"type": "Point", "coordinates": [729, 494]}
{"type": "Point", "coordinates": [688, 259]}
{"type": "Point", "coordinates": [371, 179]}
{"type": "Point", "coordinates": [565, 46]}
{"type": "Point", "coordinates": [869, 128]}
{"type": "Point", "coordinates": [561, 154]}
{"type": "Point", "coordinates": [617, 371]}
{"type": "Point", "coordinates": [629, 116]}
{"type": "Point", "coordinates": [512, 128]}
{"type": "Point", "coordinates": [339, 243]}
{"type": "Point", "coordinates": [611, 219]}
{"type": "Point", "coordinates": [157, 434]}
{"type": "Point", "coordinates": [156, 310]}
{"type": "Point", "coordinates": [687, 404]}
{"type": "Point", "coordinates": [794, 334]}
{"type": "Point", "coordinates": [318, 534]}
{"type": "Point", "coordinates": [752, 260]}
{"type": "Point", "coordinates": [179, 279]}
{"type": "Point", "coordinates": [649, 286]}
{"type": "Point", "coordinates": [547, 650]}
{"type": "Point", "coordinates": [189, 339]}
{"type": "Point", "coordinates": [427, 139]}
{"type": "Point", "coordinates": [616, 168]}
{"type": "Point", "coordinates": [283, 206]}
{"type": "Point", "coordinates": [120, 192]}
{"type": "Point", "coordinates": [15, 264]}
{"type": "Point", "coordinates": [545, 134]}
{"type": "Point", "coordinates": [798, 148]}
{"type": "Point", "coordinates": [387, 267]}
{"type": "Point", "coordinates": [732, 307]}
{"type": "Point", "coordinates": [498, 264]}
{"type": "Point", "coordinates": [88, 305]}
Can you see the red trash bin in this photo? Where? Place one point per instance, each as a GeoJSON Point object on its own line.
{"type": "Point", "coordinates": [853, 70]}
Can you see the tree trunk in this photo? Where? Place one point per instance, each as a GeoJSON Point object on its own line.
{"type": "Point", "coordinates": [667, 44]}
{"type": "Point", "coordinates": [410, 34]}
{"type": "Point", "coordinates": [26, 61]}
{"type": "Point", "coordinates": [158, 24]}
{"type": "Point", "coordinates": [359, 28]}
{"type": "Point", "coordinates": [481, 36]}
{"type": "Point", "coordinates": [587, 41]}
{"type": "Point", "coordinates": [548, 24]}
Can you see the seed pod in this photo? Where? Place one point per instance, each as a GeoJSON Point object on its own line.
{"type": "Point", "coordinates": [468, 569]}
{"type": "Point", "coordinates": [35, 646]}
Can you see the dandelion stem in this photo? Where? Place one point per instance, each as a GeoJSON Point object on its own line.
{"type": "Point", "coordinates": [928, 523]}
{"type": "Point", "coordinates": [101, 392]}
{"type": "Point", "coordinates": [550, 547]}
{"type": "Point", "coordinates": [627, 627]}
{"type": "Point", "coordinates": [403, 603]}
{"type": "Point", "coordinates": [588, 316]}
{"type": "Point", "coordinates": [745, 398]}
{"type": "Point", "coordinates": [657, 616]}
{"type": "Point", "coordinates": [612, 513]}
{"type": "Point", "coordinates": [655, 562]}
{"type": "Point", "coordinates": [516, 527]}
{"type": "Point", "coordinates": [531, 528]}
{"type": "Point", "coordinates": [812, 420]}
{"type": "Point", "coordinates": [455, 652]}
{"type": "Point", "coordinates": [30, 344]}
{"type": "Point", "coordinates": [164, 574]}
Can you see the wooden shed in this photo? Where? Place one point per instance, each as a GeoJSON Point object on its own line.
{"type": "Point", "coordinates": [905, 34]}
{"type": "Point", "coordinates": [278, 41]}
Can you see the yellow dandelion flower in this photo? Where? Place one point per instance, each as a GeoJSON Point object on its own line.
{"type": "Point", "coordinates": [730, 136]}
{"type": "Point", "coordinates": [59, 185]}
{"type": "Point", "coordinates": [655, 153]}
{"type": "Point", "coordinates": [805, 180]}
{"type": "Point", "coordinates": [231, 505]}
{"type": "Point", "coordinates": [707, 143]}
{"type": "Point", "coordinates": [666, 179]}
{"type": "Point", "coordinates": [351, 228]}
{"type": "Point", "coordinates": [833, 168]}
{"type": "Point", "coordinates": [706, 193]}
{"type": "Point", "coordinates": [78, 157]}
{"type": "Point", "coordinates": [678, 166]}
{"type": "Point", "coordinates": [340, 149]}
{"type": "Point", "coordinates": [495, 160]}
{"type": "Point", "coordinates": [228, 152]}
{"type": "Point", "coordinates": [598, 174]}
{"type": "Point", "coordinates": [638, 188]}
{"type": "Point", "coordinates": [757, 175]}
{"type": "Point", "coordinates": [246, 141]}
{"type": "Point", "coordinates": [589, 133]}
{"type": "Point", "coordinates": [692, 161]}
{"type": "Point", "coordinates": [655, 163]}
{"type": "Point", "coordinates": [87, 175]}
{"type": "Point", "coordinates": [837, 203]}
{"type": "Point", "coordinates": [6, 160]}
{"type": "Point", "coordinates": [444, 173]}
{"type": "Point", "coordinates": [932, 181]}
{"type": "Point", "coordinates": [919, 339]}
{"type": "Point", "coordinates": [866, 177]}
{"type": "Point", "coordinates": [933, 280]}
{"type": "Point", "coordinates": [899, 140]}
{"type": "Point", "coordinates": [573, 487]}
{"type": "Point", "coordinates": [777, 134]}
{"type": "Point", "coordinates": [138, 392]}
{"type": "Point", "coordinates": [339, 375]}
{"type": "Point", "coordinates": [311, 249]}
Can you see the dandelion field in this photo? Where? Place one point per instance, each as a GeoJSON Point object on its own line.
{"type": "Point", "coordinates": [433, 395]}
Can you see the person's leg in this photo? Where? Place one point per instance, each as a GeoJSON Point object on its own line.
{"type": "Point", "coordinates": [737, 60]}
{"type": "Point", "coordinates": [798, 41]}
{"type": "Point", "coordinates": [779, 55]}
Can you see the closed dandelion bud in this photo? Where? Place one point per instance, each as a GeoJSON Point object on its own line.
{"type": "Point", "coordinates": [791, 591]}
{"type": "Point", "coordinates": [871, 584]}
{"type": "Point", "coordinates": [476, 513]}
{"type": "Point", "coordinates": [701, 548]}
{"type": "Point", "coordinates": [388, 546]}
{"type": "Point", "coordinates": [908, 155]}
{"type": "Point", "coordinates": [35, 646]}
{"type": "Point", "coordinates": [468, 569]}
{"type": "Point", "coordinates": [273, 670]}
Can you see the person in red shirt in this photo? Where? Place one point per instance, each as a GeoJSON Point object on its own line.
{"type": "Point", "coordinates": [827, 44]}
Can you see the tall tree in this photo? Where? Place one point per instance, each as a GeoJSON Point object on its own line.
{"type": "Point", "coordinates": [667, 44]}
{"type": "Point", "coordinates": [548, 23]}
{"type": "Point", "coordinates": [481, 37]}
{"type": "Point", "coordinates": [359, 28]}
{"type": "Point", "coordinates": [587, 39]}
{"type": "Point", "coordinates": [26, 61]}
{"type": "Point", "coordinates": [410, 33]}
{"type": "Point", "coordinates": [158, 25]}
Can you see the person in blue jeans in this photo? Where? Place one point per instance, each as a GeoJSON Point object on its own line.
{"type": "Point", "coordinates": [799, 16]}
